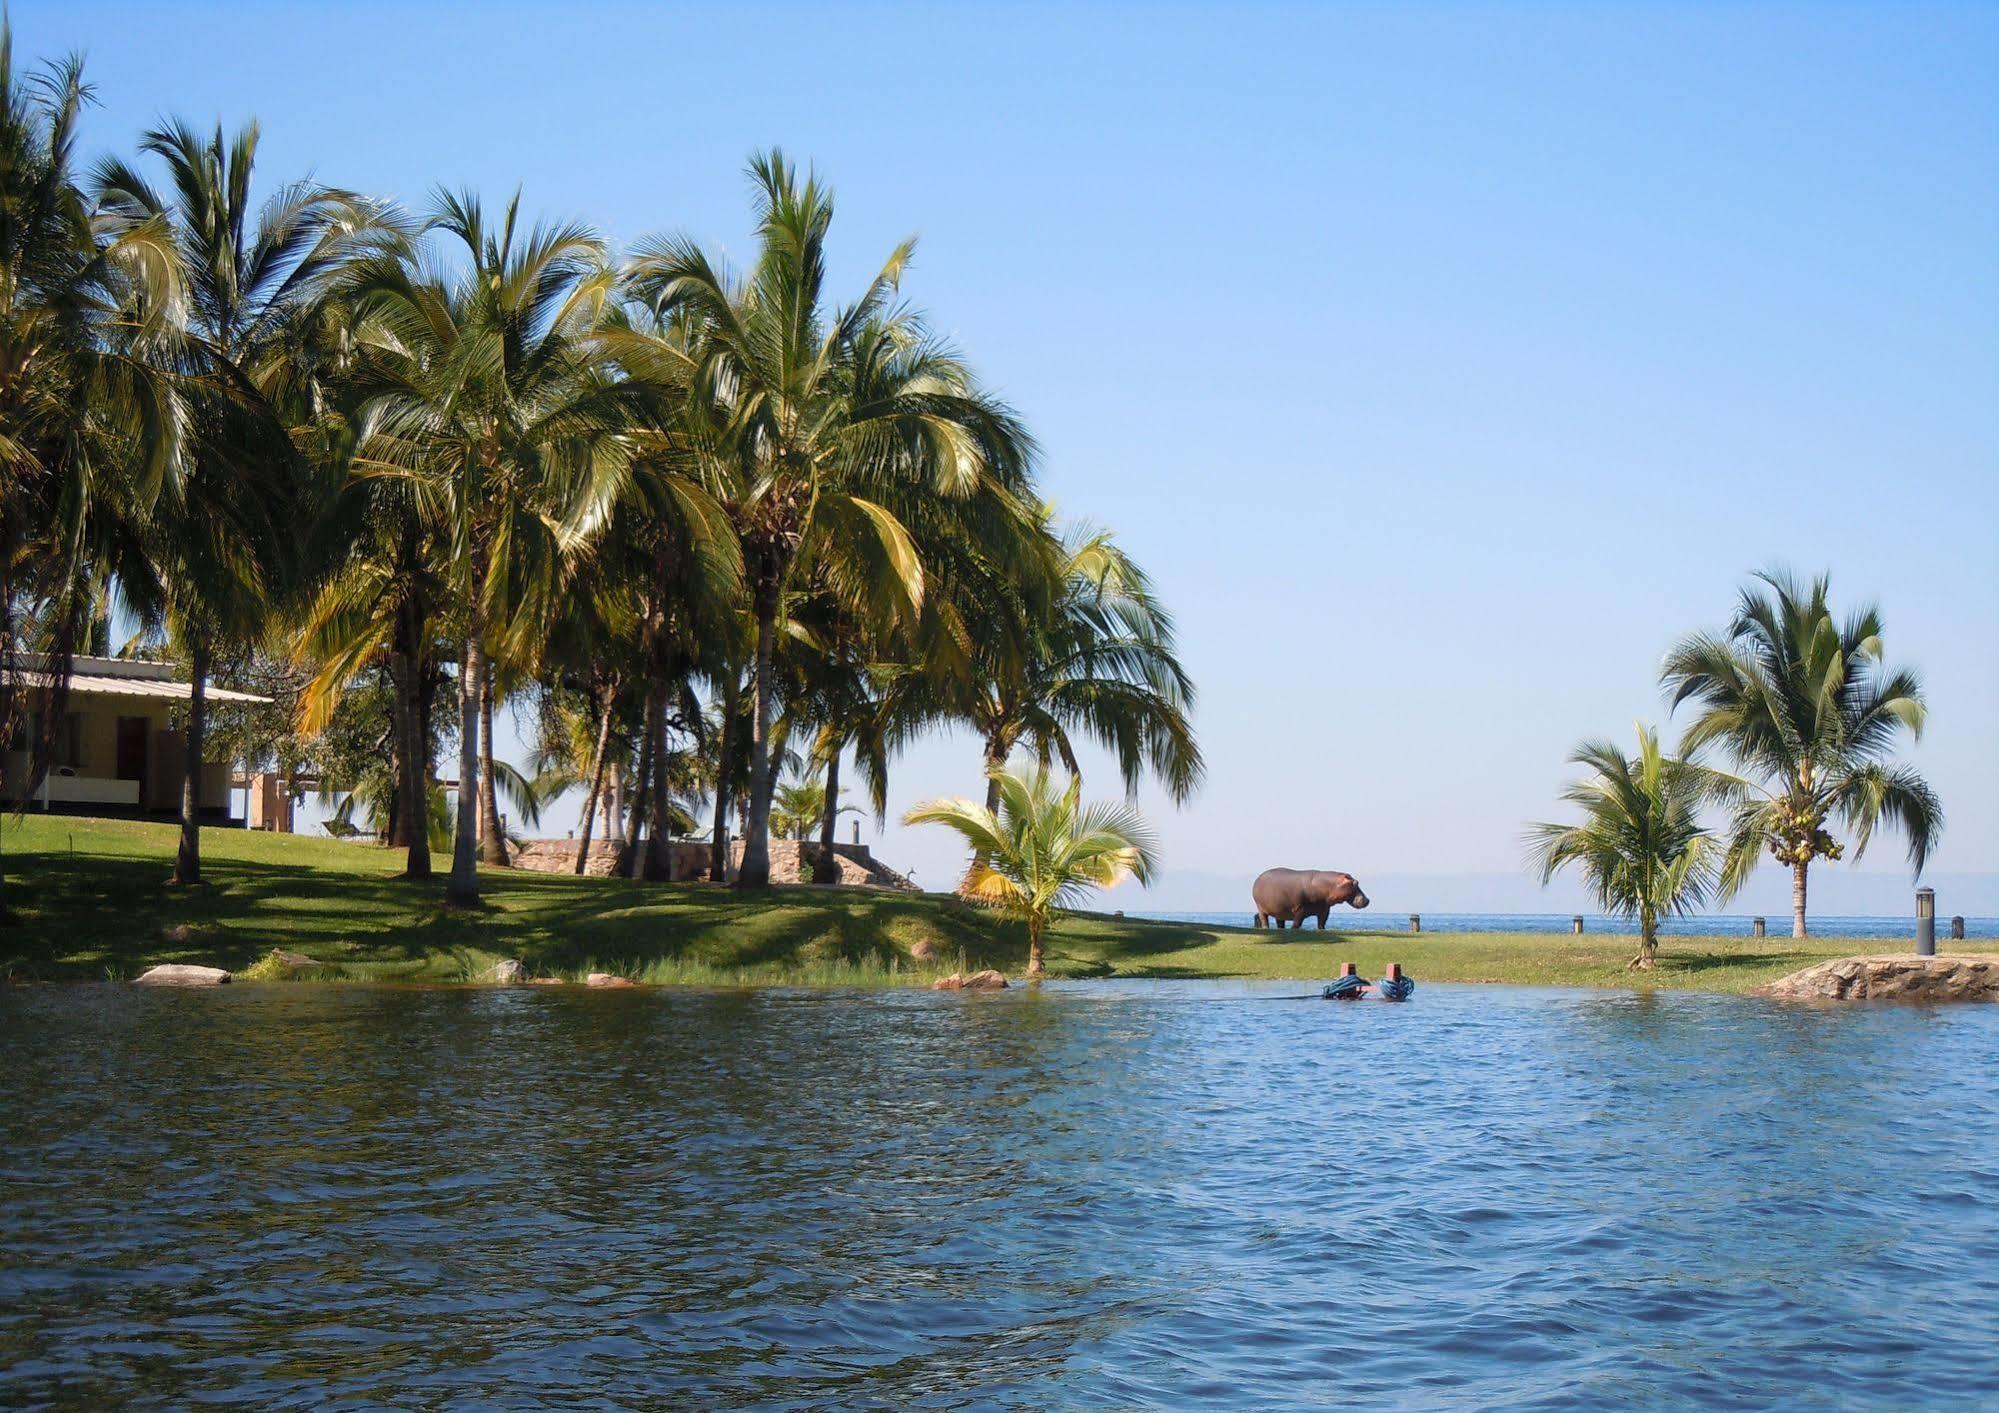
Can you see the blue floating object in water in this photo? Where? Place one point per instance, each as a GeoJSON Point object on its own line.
{"type": "Point", "coordinates": [1347, 988]}
{"type": "Point", "coordinates": [1395, 988]}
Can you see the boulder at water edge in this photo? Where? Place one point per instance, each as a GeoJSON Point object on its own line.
{"type": "Point", "coordinates": [977, 981]}
{"type": "Point", "coordinates": [1899, 976]}
{"type": "Point", "coordinates": [507, 973]}
{"type": "Point", "coordinates": [181, 974]}
{"type": "Point", "coordinates": [604, 978]}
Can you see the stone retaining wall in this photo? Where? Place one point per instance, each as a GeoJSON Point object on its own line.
{"type": "Point", "coordinates": [790, 861]}
{"type": "Point", "coordinates": [1898, 976]}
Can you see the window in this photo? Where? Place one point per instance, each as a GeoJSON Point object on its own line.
{"type": "Point", "coordinates": [69, 738]}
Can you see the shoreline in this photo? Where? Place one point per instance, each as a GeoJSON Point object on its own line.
{"type": "Point", "coordinates": [95, 907]}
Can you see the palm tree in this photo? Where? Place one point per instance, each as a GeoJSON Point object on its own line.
{"type": "Point", "coordinates": [495, 399]}
{"type": "Point", "coordinates": [796, 807]}
{"type": "Point", "coordinates": [89, 423]}
{"type": "Point", "coordinates": [382, 605]}
{"type": "Point", "coordinates": [835, 423]}
{"type": "Point", "coordinates": [1043, 850]}
{"type": "Point", "coordinates": [1088, 654]}
{"type": "Point", "coordinates": [670, 527]}
{"type": "Point", "coordinates": [220, 531]}
{"type": "Point", "coordinates": [1810, 713]}
{"type": "Point", "coordinates": [1640, 847]}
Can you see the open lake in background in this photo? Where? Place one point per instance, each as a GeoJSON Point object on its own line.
{"type": "Point", "coordinates": [1094, 1193]}
{"type": "Point", "coordinates": [1703, 925]}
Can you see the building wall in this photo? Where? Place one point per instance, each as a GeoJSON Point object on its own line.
{"type": "Point", "coordinates": [97, 743]}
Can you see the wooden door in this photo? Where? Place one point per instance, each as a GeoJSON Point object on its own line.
{"type": "Point", "coordinates": [133, 732]}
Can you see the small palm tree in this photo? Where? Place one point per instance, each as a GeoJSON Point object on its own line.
{"type": "Point", "coordinates": [1641, 846]}
{"type": "Point", "coordinates": [1810, 712]}
{"type": "Point", "coordinates": [1043, 850]}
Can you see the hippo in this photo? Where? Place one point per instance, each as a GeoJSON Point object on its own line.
{"type": "Point", "coordinates": [1291, 895]}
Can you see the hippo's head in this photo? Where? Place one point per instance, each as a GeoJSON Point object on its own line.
{"type": "Point", "coordinates": [1347, 890]}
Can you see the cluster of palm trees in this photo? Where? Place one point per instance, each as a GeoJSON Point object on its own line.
{"type": "Point", "coordinates": [700, 521]}
{"type": "Point", "coordinates": [1808, 714]}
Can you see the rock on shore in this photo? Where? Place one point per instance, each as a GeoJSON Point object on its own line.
{"type": "Point", "coordinates": [1899, 976]}
{"type": "Point", "coordinates": [977, 981]}
{"type": "Point", "coordinates": [180, 974]}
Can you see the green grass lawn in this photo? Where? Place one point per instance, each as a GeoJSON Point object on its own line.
{"type": "Point", "coordinates": [93, 904]}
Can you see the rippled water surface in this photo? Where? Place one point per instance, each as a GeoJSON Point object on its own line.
{"type": "Point", "coordinates": [1098, 1194]}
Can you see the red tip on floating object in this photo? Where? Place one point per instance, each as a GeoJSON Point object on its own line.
{"type": "Point", "coordinates": [1346, 969]}
{"type": "Point", "coordinates": [1395, 971]}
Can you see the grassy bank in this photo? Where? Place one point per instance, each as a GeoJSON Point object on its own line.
{"type": "Point", "coordinates": [94, 905]}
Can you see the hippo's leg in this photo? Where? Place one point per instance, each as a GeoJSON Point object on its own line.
{"type": "Point", "coordinates": [1321, 915]}
{"type": "Point", "coordinates": [1258, 924]}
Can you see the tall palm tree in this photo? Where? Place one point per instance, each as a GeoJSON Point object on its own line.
{"type": "Point", "coordinates": [1044, 850]}
{"type": "Point", "coordinates": [382, 605]}
{"type": "Point", "coordinates": [835, 420]}
{"type": "Point", "coordinates": [372, 591]}
{"type": "Point", "coordinates": [219, 533]}
{"type": "Point", "coordinates": [1810, 713]}
{"type": "Point", "coordinates": [1042, 658]}
{"type": "Point", "coordinates": [1640, 846]}
{"type": "Point", "coordinates": [494, 398]}
{"type": "Point", "coordinates": [1104, 666]}
{"type": "Point", "coordinates": [90, 424]}
{"type": "Point", "coordinates": [682, 548]}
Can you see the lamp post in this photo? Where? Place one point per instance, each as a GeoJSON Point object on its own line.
{"type": "Point", "coordinates": [1926, 922]}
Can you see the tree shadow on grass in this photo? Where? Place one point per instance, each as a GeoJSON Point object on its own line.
{"type": "Point", "coordinates": [94, 913]}
{"type": "Point", "coordinates": [1710, 961]}
{"type": "Point", "coordinates": [89, 914]}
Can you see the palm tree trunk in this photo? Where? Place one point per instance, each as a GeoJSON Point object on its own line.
{"type": "Point", "coordinates": [462, 887]}
{"type": "Point", "coordinates": [414, 784]}
{"type": "Point", "coordinates": [492, 838]}
{"type": "Point", "coordinates": [187, 864]}
{"type": "Point", "coordinates": [1036, 924]}
{"type": "Point", "coordinates": [755, 871]}
{"type": "Point", "coordinates": [1648, 943]}
{"type": "Point", "coordinates": [659, 839]}
{"type": "Point", "coordinates": [824, 869]}
{"type": "Point", "coordinates": [597, 759]}
{"type": "Point", "coordinates": [718, 843]}
{"type": "Point", "coordinates": [996, 754]}
{"type": "Point", "coordinates": [1798, 899]}
{"type": "Point", "coordinates": [397, 834]}
{"type": "Point", "coordinates": [613, 803]}
{"type": "Point", "coordinates": [635, 830]}
{"type": "Point", "coordinates": [7, 915]}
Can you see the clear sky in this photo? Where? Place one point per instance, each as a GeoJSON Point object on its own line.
{"type": "Point", "coordinates": [1443, 363]}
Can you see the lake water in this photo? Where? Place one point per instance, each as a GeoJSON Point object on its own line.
{"type": "Point", "coordinates": [1703, 925]}
{"type": "Point", "coordinates": [1143, 1194]}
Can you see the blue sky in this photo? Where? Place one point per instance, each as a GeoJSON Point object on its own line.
{"type": "Point", "coordinates": [1442, 363]}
